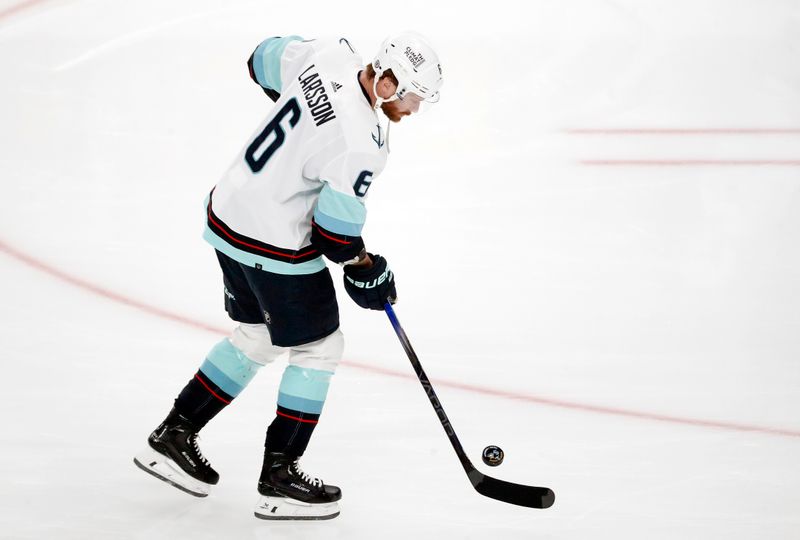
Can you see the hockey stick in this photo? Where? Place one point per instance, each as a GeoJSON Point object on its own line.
{"type": "Point", "coordinates": [530, 496]}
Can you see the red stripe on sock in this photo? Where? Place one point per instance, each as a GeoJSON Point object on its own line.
{"type": "Point", "coordinates": [225, 401]}
{"type": "Point", "coordinates": [279, 413]}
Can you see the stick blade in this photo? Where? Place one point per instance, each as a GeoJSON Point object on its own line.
{"type": "Point", "coordinates": [508, 492]}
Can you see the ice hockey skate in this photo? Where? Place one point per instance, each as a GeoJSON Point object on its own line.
{"type": "Point", "coordinates": [290, 494]}
{"type": "Point", "coordinates": [173, 455]}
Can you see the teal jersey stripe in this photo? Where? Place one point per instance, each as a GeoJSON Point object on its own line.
{"type": "Point", "coordinates": [267, 61]}
{"type": "Point", "coordinates": [229, 368]}
{"type": "Point", "coordinates": [337, 225]}
{"type": "Point", "coordinates": [305, 383]}
{"type": "Point", "coordinates": [344, 214]}
{"type": "Point", "coordinates": [276, 267]}
{"type": "Point", "coordinates": [300, 404]}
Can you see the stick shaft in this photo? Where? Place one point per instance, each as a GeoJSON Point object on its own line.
{"type": "Point", "coordinates": [429, 391]}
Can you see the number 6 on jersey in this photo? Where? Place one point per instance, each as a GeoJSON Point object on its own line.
{"type": "Point", "coordinates": [257, 163]}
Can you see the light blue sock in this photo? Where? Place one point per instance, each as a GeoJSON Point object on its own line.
{"type": "Point", "coordinates": [229, 368]}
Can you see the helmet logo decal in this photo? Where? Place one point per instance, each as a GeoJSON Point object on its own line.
{"type": "Point", "coordinates": [415, 58]}
{"type": "Point", "coordinates": [414, 63]}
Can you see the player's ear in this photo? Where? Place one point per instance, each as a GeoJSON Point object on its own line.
{"type": "Point", "coordinates": [386, 88]}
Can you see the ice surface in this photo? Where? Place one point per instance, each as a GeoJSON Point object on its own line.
{"type": "Point", "coordinates": [629, 335]}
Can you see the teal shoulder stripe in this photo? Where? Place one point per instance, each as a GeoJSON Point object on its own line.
{"type": "Point", "coordinates": [267, 61]}
{"type": "Point", "coordinates": [344, 214]}
{"type": "Point", "coordinates": [276, 267]}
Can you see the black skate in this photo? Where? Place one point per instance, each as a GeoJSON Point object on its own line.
{"type": "Point", "coordinates": [289, 493]}
{"type": "Point", "coordinates": [172, 455]}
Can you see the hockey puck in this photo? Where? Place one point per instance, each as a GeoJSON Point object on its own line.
{"type": "Point", "coordinates": [493, 455]}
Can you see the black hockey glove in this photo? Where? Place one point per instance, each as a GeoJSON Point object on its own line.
{"type": "Point", "coordinates": [370, 287]}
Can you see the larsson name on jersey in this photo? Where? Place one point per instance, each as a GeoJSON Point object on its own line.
{"type": "Point", "coordinates": [316, 98]}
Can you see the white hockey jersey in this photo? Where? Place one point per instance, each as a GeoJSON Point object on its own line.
{"type": "Point", "coordinates": [313, 158]}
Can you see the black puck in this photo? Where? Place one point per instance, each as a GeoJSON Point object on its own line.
{"type": "Point", "coordinates": [493, 455]}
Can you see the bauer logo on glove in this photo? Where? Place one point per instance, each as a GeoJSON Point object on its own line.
{"type": "Point", "coordinates": [371, 284]}
{"type": "Point", "coordinates": [370, 287]}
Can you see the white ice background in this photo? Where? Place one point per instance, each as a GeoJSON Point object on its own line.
{"type": "Point", "coordinates": [628, 333]}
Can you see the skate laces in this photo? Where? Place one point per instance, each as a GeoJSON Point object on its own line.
{"type": "Point", "coordinates": [316, 482]}
{"type": "Point", "coordinates": [194, 439]}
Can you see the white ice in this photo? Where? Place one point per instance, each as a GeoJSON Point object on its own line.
{"type": "Point", "coordinates": [603, 297]}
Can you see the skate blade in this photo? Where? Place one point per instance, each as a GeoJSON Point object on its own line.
{"type": "Point", "coordinates": [168, 471]}
{"type": "Point", "coordinates": [284, 508]}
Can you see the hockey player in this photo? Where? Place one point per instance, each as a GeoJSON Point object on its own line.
{"type": "Point", "coordinates": [294, 194]}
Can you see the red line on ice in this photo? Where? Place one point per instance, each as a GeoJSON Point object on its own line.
{"type": "Point", "coordinates": [106, 293]}
{"type": "Point", "coordinates": [18, 7]}
{"type": "Point", "coordinates": [158, 312]}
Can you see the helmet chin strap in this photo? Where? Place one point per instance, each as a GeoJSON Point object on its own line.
{"type": "Point", "coordinates": [378, 99]}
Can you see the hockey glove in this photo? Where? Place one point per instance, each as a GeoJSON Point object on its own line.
{"type": "Point", "coordinates": [370, 287]}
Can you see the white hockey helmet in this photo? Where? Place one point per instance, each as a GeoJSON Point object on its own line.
{"type": "Point", "coordinates": [413, 62]}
